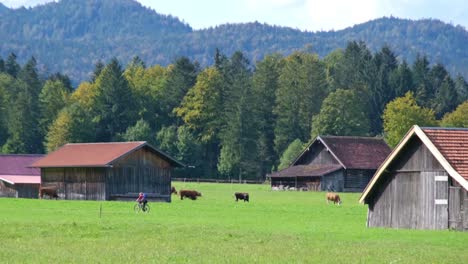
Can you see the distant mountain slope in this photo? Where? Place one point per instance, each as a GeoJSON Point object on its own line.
{"type": "Point", "coordinates": [70, 36]}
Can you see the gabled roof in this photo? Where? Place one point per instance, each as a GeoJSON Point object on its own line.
{"type": "Point", "coordinates": [306, 170]}
{"type": "Point", "coordinates": [15, 168]}
{"type": "Point", "coordinates": [352, 152]}
{"type": "Point", "coordinates": [96, 154]}
{"type": "Point", "coordinates": [448, 145]}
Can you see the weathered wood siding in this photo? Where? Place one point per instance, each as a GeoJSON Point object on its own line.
{"type": "Point", "coordinates": [140, 171]}
{"type": "Point", "coordinates": [413, 192]}
{"type": "Point", "coordinates": [458, 207]}
{"type": "Point", "coordinates": [76, 183]}
{"type": "Point", "coordinates": [318, 155]}
{"type": "Point", "coordinates": [19, 190]}
{"type": "Point", "coordinates": [333, 182]}
{"type": "Point", "coordinates": [356, 180]}
{"type": "Point", "coordinates": [7, 190]}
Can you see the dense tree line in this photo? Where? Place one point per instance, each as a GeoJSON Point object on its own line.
{"type": "Point", "coordinates": [70, 36]}
{"type": "Point", "coordinates": [231, 119]}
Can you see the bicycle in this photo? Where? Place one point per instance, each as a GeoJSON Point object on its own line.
{"type": "Point", "coordinates": [139, 208]}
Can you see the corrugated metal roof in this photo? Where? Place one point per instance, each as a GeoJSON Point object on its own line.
{"type": "Point", "coordinates": [21, 179]}
{"type": "Point", "coordinates": [306, 170]}
{"type": "Point", "coordinates": [95, 154]}
{"type": "Point", "coordinates": [453, 145]}
{"type": "Point", "coordinates": [18, 164]}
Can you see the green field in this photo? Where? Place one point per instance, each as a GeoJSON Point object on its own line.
{"type": "Point", "coordinates": [275, 227]}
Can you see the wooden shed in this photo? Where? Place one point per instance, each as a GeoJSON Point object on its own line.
{"type": "Point", "coordinates": [108, 171]}
{"type": "Point", "coordinates": [423, 183]}
{"type": "Point", "coordinates": [17, 179]}
{"type": "Point", "coordinates": [334, 163]}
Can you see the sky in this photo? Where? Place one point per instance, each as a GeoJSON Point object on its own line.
{"type": "Point", "coordinates": [310, 15]}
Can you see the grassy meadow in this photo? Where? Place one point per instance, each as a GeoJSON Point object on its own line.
{"type": "Point", "coordinates": [275, 227]}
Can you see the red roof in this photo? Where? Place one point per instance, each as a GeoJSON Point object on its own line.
{"type": "Point", "coordinates": [95, 154]}
{"type": "Point", "coordinates": [357, 152]}
{"type": "Point", "coordinates": [306, 170]}
{"type": "Point", "coordinates": [453, 145]}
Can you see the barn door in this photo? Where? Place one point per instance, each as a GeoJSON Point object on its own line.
{"type": "Point", "coordinates": [441, 201]}
{"type": "Point", "coordinates": [455, 217]}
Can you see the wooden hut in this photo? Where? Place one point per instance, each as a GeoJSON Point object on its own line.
{"type": "Point", "coordinates": [108, 171]}
{"type": "Point", "coordinates": [334, 163]}
{"type": "Point", "coordinates": [423, 183]}
{"type": "Point", "coordinates": [17, 179]}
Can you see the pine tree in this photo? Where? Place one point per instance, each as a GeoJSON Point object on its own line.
{"type": "Point", "coordinates": [115, 106]}
{"type": "Point", "coordinates": [181, 77]}
{"type": "Point", "coordinates": [302, 88]}
{"type": "Point", "coordinates": [98, 67]}
{"type": "Point", "coordinates": [238, 135]}
{"type": "Point", "coordinates": [265, 85]}
{"type": "Point", "coordinates": [11, 66]}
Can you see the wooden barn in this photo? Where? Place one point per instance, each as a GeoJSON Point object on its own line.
{"type": "Point", "coordinates": [17, 179]}
{"type": "Point", "coordinates": [108, 171]}
{"type": "Point", "coordinates": [334, 163]}
{"type": "Point", "coordinates": [423, 183]}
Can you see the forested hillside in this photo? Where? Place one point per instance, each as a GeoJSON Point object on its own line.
{"type": "Point", "coordinates": [230, 119]}
{"type": "Point", "coordinates": [70, 36]}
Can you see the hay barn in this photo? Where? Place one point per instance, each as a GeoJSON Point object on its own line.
{"type": "Point", "coordinates": [423, 183]}
{"type": "Point", "coordinates": [334, 163]}
{"type": "Point", "coordinates": [17, 179]}
{"type": "Point", "coordinates": [108, 171]}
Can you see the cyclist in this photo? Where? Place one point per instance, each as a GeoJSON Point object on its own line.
{"type": "Point", "coordinates": [142, 201]}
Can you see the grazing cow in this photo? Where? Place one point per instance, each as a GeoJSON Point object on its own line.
{"type": "Point", "coordinates": [192, 194]}
{"type": "Point", "coordinates": [173, 190]}
{"type": "Point", "coordinates": [50, 191]}
{"type": "Point", "coordinates": [334, 197]}
{"type": "Point", "coordinates": [242, 196]}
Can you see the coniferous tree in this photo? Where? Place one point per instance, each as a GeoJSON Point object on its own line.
{"type": "Point", "coordinates": [25, 135]}
{"type": "Point", "coordinates": [461, 87]}
{"type": "Point", "coordinates": [115, 108]}
{"type": "Point", "coordinates": [445, 98]}
{"type": "Point", "coordinates": [2, 65]}
{"type": "Point", "coordinates": [98, 67]}
{"type": "Point", "coordinates": [381, 90]}
{"type": "Point", "coordinates": [238, 135]}
{"type": "Point", "coordinates": [11, 66]}
{"type": "Point", "coordinates": [422, 81]}
{"type": "Point", "coordinates": [182, 76]}
{"type": "Point", "coordinates": [265, 85]}
{"type": "Point", "coordinates": [302, 88]}
{"type": "Point", "coordinates": [402, 80]}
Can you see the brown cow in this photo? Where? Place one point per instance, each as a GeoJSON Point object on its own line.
{"type": "Point", "coordinates": [192, 194]}
{"type": "Point", "coordinates": [173, 190]}
{"type": "Point", "coordinates": [334, 197]}
{"type": "Point", "coordinates": [241, 196]}
{"type": "Point", "coordinates": [50, 191]}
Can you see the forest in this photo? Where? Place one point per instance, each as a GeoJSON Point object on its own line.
{"type": "Point", "coordinates": [230, 119]}
{"type": "Point", "coordinates": [70, 36]}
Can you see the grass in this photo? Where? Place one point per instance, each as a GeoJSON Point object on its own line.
{"type": "Point", "coordinates": [275, 227]}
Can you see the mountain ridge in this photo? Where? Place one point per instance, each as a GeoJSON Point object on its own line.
{"type": "Point", "coordinates": [71, 36]}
